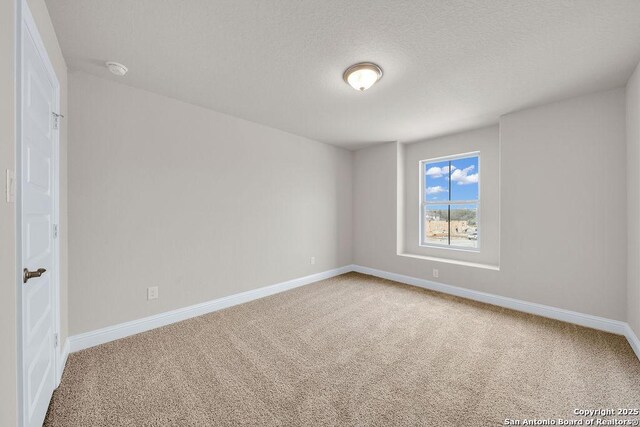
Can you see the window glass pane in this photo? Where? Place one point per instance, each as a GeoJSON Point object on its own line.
{"type": "Point", "coordinates": [436, 224]}
{"type": "Point", "coordinates": [464, 179]}
{"type": "Point", "coordinates": [464, 226]}
{"type": "Point", "coordinates": [436, 183]}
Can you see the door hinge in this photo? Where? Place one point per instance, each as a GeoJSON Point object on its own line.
{"type": "Point", "coordinates": [55, 340]}
{"type": "Point", "coordinates": [56, 120]}
{"type": "Point", "coordinates": [55, 231]}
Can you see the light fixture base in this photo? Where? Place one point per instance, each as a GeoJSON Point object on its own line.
{"type": "Point", "coordinates": [362, 76]}
{"type": "Point", "coordinates": [116, 68]}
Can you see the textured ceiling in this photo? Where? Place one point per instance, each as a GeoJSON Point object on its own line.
{"type": "Point", "coordinates": [449, 65]}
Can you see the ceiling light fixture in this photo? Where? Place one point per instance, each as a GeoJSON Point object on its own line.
{"type": "Point", "coordinates": [116, 68]}
{"type": "Point", "coordinates": [362, 76]}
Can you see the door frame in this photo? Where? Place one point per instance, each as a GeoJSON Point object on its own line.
{"type": "Point", "coordinates": [24, 21]}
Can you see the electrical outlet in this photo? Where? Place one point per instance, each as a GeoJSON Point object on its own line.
{"type": "Point", "coordinates": [436, 273]}
{"type": "Point", "coordinates": [152, 293]}
{"type": "Point", "coordinates": [312, 260]}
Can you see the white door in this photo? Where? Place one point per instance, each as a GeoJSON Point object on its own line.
{"type": "Point", "coordinates": [38, 192]}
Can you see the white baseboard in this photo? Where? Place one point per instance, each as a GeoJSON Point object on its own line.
{"type": "Point", "coordinates": [634, 342]}
{"type": "Point", "coordinates": [111, 333]}
{"type": "Point", "coordinates": [595, 322]}
{"type": "Point", "coordinates": [62, 360]}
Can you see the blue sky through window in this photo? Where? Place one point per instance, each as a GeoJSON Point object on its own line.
{"type": "Point", "coordinates": [463, 175]}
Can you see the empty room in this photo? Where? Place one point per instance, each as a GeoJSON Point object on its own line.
{"type": "Point", "coordinates": [320, 213]}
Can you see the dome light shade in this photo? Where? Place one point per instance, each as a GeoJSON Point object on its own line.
{"type": "Point", "coordinates": [363, 75]}
{"type": "Point", "coordinates": [116, 68]}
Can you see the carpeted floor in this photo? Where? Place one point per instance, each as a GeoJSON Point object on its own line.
{"type": "Point", "coordinates": [352, 350]}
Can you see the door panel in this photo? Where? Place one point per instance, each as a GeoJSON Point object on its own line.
{"type": "Point", "coordinates": [39, 95]}
{"type": "Point", "coordinates": [38, 169]}
{"type": "Point", "coordinates": [38, 309]}
{"type": "Point", "coordinates": [37, 99]}
{"type": "Point", "coordinates": [37, 248]}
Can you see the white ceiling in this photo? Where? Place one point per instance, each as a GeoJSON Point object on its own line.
{"type": "Point", "coordinates": [449, 65]}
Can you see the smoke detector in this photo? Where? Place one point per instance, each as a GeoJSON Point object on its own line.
{"type": "Point", "coordinates": [116, 68]}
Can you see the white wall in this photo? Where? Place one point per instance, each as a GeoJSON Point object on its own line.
{"type": "Point", "coordinates": [633, 198]}
{"type": "Point", "coordinates": [201, 204]}
{"type": "Point", "coordinates": [563, 209]}
{"type": "Point", "coordinates": [485, 141]}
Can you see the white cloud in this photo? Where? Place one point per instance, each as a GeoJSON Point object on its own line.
{"type": "Point", "coordinates": [462, 177]}
{"type": "Point", "coordinates": [435, 190]}
{"type": "Point", "coordinates": [436, 172]}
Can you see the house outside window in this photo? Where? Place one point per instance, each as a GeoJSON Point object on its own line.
{"type": "Point", "coordinates": [450, 202]}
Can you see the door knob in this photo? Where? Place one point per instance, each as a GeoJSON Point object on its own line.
{"type": "Point", "coordinates": [26, 274]}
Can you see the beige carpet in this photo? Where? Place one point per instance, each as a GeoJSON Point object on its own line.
{"type": "Point", "coordinates": [353, 350]}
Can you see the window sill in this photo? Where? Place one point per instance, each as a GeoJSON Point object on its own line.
{"type": "Point", "coordinates": [449, 248]}
{"type": "Point", "coordinates": [451, 261]}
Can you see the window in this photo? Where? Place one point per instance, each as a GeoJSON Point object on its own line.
{"type": "Point", "coordinates": [450, 202]}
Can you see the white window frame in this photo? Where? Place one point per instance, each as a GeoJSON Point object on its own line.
{"type": "Point", "coordinates": [424, 203]}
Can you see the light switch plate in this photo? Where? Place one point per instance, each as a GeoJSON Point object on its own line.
{"type": "Point", "coordinates": [11, 186]}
